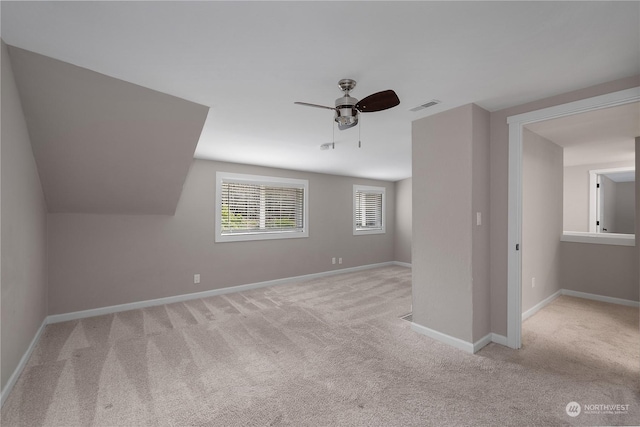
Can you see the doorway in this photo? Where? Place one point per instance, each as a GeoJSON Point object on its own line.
{"type": "Point", "coordinates": [516, 124]}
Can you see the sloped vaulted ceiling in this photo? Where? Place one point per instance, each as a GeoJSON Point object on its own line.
{"type": "Point", "coordinates": [103, 145]}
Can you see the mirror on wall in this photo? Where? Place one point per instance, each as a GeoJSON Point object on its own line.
{"type": "Point", "coordinates": [612, 201]}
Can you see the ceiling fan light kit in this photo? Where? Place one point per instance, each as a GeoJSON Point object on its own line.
{"type": "Point", "coordinates": [348, 108]}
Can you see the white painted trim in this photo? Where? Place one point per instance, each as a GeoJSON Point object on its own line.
{"type": "Point", "coordinates": [56, 318]}
{"type": "Point", "coordinates": [514, 225]}
{"type": "Point", "coordinates": [613, 170]}
{"type": "Point", "coordinates": [599, 238]}
{"type": "Point", "coordinates": [607, 100]}
{"type": "Point", "coordinates": [482, 342]}
{"type": "Point", "coordinates": [499, 339]}
{"type": "Point", "coordinates": [402, 264]}
{"type": "Point", "coordinates": [260, 180]}
{"type": "Point", "coordinates": [23, 362]}
{"type": "Point", "coordinates": [370, 189]}
{"type": "Point", "coordinates": [457, 342]}
{"type": "Point", "coordinates": [601, 298]}
{"type": "Point", "coordinates": [443, 338]}
{"type": "Point", "coordinates": [539, 306]}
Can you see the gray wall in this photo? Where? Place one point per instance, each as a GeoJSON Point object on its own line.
{"type": "Point", "coordinates": [23, 252]}
{"type": "Point", "coordinates": [446, 148]}
{"type": "Point", "coordinates": [103, 145]}
{"type": "Point", "coordinates": [403, 221]}
{"type": "Point", "coordinates": [600, 269]}
{"type": "Point", "coordinates": [625, 207]}
{"type": "Point", "coordinates": [103, 260]}
{"type": "Point", "coordinates": [542, 172]}
{"type": "Point", "coordinates": [500, 185]}
{"type": "Point", "coordinates": [606, 270]}
{"type": "Point", "coordinates": [576, 193]}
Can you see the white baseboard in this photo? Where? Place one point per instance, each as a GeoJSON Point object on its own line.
{"type": "Point", "coordinates": [402, 264]}
{"type": "Point", "coordinates": [457, 342]}
{"type": "Point", "coordinates": [444, 338]}
{"type": "Point", "coordinates": [56, 318]}
{"type": "Point", "coordinates": [23, 362]}
{"type": "Point", "coordinates": [602, 298]}
{"type": "Point", "coordinates": [533, 310]}
{"type": "Point", "coordinates": [487, 339]}
{"type": "Point", "coordinates": [499, 339]}
{"type": "Point", "coordinates": [539, 306]}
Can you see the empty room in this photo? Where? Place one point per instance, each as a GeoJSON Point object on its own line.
{"type": "Point", "coordinates": [189, 237]}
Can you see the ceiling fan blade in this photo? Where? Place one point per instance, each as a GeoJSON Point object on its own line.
{"type": "Point", "coordinates": [378, 101]}
{"type": "Point", "coordinates": [306, 104]}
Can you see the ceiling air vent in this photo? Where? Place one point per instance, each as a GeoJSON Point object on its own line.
{"type": "Point", "coordinates": [426, 105]}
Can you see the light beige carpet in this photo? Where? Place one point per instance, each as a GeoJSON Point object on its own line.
{"type": "Point", "coordinates": [324, 353]}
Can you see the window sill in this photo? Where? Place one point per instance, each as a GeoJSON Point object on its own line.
{"type": "Point", "coordinates": [245, 237]}
{"type": "Point", "coordinates": [367, 232]}
{"type": "Point", "coordinates": [599, 238]}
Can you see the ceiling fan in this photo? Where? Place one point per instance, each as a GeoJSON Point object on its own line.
{"type": "Point", "coordinates": [348, 108]}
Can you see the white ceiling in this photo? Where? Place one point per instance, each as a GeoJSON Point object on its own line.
{"type": "Point", "coordinates": [628, 176]}
{"type": "Point", "coordinates": [249, 61]}
{"type": "Point", "coordinates": [600, 136]}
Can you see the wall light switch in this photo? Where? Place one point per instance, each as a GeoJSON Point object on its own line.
{"type": "Point", "coordinates": [196, 279]}
{"type": "Point", "coordinates": [478, 218]}
{"type": "Point", "coordinates": [333, 260]}
{"type": "Point", "coordinates": [533, 282]}
{"type": "Point", "coordinates": [339, 260]}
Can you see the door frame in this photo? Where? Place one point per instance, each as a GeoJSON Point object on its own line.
{"type": "Point", "coordinates": [514, 226]}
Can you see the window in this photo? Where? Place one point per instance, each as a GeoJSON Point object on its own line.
{"type": "Point", "coordinates": [368, 210]}
{"type": "Point", "coordinates": [250, 207]}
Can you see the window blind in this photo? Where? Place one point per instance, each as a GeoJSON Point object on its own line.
{"type": "Point", "coordinates": [368, 210]}
{"type": "Point", "coordinates": [249, 208]}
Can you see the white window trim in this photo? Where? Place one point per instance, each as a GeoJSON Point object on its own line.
{"type": "Point", "coordinates": [259, 180]}
{"type": "Point", "coordinates": [370, 189]}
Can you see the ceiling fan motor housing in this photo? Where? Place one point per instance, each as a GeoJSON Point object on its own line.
{"type": "Point", "coordinates": [346, 113]}
{"type": "Point", "coordinates": [348, 108]}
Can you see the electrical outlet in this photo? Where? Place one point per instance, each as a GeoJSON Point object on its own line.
{"type": "Point", "coordinates": [339, 260]}
{"type": "Point", "coordinates": [196, 279]}
{"type": "Point", "coordinates": [333, 260]}
{"type": "Point", "coordinates": [533, 282]}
